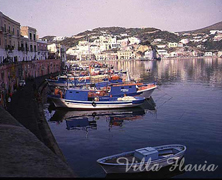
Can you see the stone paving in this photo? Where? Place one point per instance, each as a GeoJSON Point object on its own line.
{"type": "Point", "coordinates": [28, 148]}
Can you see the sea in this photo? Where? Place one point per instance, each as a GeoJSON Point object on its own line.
{"type": "Point", "coordinates": [186, 109]}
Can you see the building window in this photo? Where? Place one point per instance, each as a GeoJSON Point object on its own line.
{"type": "Point", "coordinates": [9, 29]}
{"type": "Point", "coordinates": [34, 37]}
{"type": "Point", "coordinates": [30, 36]}
{"type": "Point", "coordinates": [0, 41]}
{"type": "Point", "coordinates": [13, 31]}
{"type": "Point", "coordinates": [5, 27]}
{"type": "Point", "coordinates": [17, 32]}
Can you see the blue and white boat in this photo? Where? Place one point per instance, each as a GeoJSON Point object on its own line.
{"type": "Point", "coordinates": [129, 89]}
{"type": "Point", "coordinates": [82, 99]}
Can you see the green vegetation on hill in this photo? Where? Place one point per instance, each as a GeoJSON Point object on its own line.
{"type": "Point", "coordinates": [217, 26]}
{"type": "Point", "coordinates": [49, 38]}
{"type": "Point", "coordinates": [164, 35]}
{"type": "Point", "coordinates": [146, 35]}
{"type": "Point", "coordinates": [70, 42]}
{"type": "Point", "coordinates": [213, 45]}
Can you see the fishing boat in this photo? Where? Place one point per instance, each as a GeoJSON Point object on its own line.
{"type": "Point", "coordinates": [68, 80]}
{"type": "Point", "coordinates": [145, 90]}
{"type": "Point", "coordinates": [143, 159]}
{"type": "Point", "coordinates": [85, 99]}
{"type": "Point", "coordinates": [129, 89]}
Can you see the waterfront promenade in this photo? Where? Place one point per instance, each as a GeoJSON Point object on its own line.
{"type": "Point", "coordinates": [28, 148]}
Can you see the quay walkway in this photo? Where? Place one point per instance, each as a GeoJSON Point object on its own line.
{"type": "Point", "coordinates": [28, 148]}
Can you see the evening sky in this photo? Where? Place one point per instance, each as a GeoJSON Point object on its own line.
{"type": "Point", "coordinates": [70, 17]}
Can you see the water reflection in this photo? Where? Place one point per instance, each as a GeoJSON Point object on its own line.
{"type": "Point", "coordinates": [189, 108]}
{"type": "Point", "coordinates": [163, 173]}
{"type": "Point", "coordinates": [205, 70]}
{"type": "Point", "coordinates": [78, 123]}
{"type": "Point", "coordinates": [87, 120]}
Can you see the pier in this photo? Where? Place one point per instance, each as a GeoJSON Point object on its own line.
{"type": "Point", "coordinates": [28, 148]}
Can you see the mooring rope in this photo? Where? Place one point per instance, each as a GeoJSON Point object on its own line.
{"type": "Point", "coordinates": [170, 97]}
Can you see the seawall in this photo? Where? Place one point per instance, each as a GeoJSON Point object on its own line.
{"type": "Point", "coordinates": [28, 148]}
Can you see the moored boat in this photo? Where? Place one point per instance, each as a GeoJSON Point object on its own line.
{"type": "Point", "coordinates": [143, 159]}
{"type": "Point", "coordinates": [80, 99]}
{"type": "Point", "coordinates": [64, 81]}
{"type": "Point", "coordinates": [146, 90]}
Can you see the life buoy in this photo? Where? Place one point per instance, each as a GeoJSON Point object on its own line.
{"type": "Point", "coordinates": [93, 104]}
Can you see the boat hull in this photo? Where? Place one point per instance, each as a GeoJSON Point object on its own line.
{"type": "Point", "coordinates": [146, 92]}
{"type": "Point", "coordinates": [111, 168]}
{"type": "Point", "coordinates": [94, 105]}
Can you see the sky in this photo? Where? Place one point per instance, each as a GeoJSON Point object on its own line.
{"type": "Point", "coordinates": [70, 17]}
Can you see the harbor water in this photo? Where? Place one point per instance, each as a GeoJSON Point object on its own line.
{"type": "Point", "coordinates": [186, 109]}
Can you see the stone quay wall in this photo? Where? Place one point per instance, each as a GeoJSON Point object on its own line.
{"type": "Point", "coordinates": [12, 73]}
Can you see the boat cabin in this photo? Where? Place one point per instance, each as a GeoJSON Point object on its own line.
{"type": "Point", "coordinates": [121, 90]}
{"type": "Point", "coordinates": [75, 94]}
{"type": "Point", "coordinates": [146, 153]}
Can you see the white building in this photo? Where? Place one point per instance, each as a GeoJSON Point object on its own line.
{"type": "Point", "coordinates": [94, 49]}
{"type": "Point", "coordinates": [157, 40]}
{"type": "Point", "coordinates": [180, 45]}
{"type": "Point", "coordinates": [59, 38]}
{"type": "Point", "coordinates": [162, 52]}
{"type": "Point", "coordinates": [133, 40]}
{"type": "Point", "coordinates": [172, 44]}
{"type": "Point", "coordinates": [213, 31]}
{"type": "Point", "coordinates": [161, 46]}
{"type": "Point", "coordinates": [184, 41]}
{"type": "Point", "coordinates": [124, 34]}
{"type": "Point", "coordinates": [150, 54]}
{"type": "Point", "coordinates": [208, 54]}
{"type": "Point", "coordinates": [123, 42]}
{"type": "Point", "coordinates": [218, 37]}
{"type": "Point", "coordinates": [83, 43]}
{"type": "Point", "coordinates": [219, 54]}
{"type": "Point", "coordinates": [43, 52]}
{"type": "Point", "coordinates": [59, 50]}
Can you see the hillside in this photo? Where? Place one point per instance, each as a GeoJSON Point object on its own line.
{"type": "Point", "coordinates": [144, 34]}
{"type": "Point", "coordinates": [48, 38]}
{"type": "Point", "coordinates": [217, 26]}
